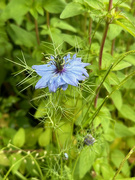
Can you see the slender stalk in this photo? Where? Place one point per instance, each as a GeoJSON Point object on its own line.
{"type": "Point", "coordinates": [112, 47]}
{"type": "Point", "coordinates": [95, 101]}
{"type": "Point", "coordinates": [37, 32]}
{"type": "Point", "coordinates": [24, 157]}
{"type": "Point", "coordinates": [93, 34]}
{"type": "Point", "coordinates": [110, 5]}
{"type": "Point", "coordinates": [48, 19]}
{"type": "Point", "coordinates": [102, 45]}
{"type": "Point", "coordinates": [104, 36]}
{"type": "Point", "coordinates": [90, 30]}
{"type": "Point", "coordinates": [84, 23]}
{"type": "Point", "coordinates": [59, 148]}
{"type": "Point", "coordinates": [123, 161]}
{"type": "Point", "coordinates": [91, 119]}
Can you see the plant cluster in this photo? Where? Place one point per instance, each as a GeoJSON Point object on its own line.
{"type": "Point", "coordinates": [67, 112]}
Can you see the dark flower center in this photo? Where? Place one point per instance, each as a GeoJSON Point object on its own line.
{"type": "Point", "coordinates": [59, 63]}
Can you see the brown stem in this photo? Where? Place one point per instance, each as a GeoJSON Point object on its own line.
{"type": "Point", "coordinates": [102, 45]}
{"type": "Point", "coordinates": [104, 36]}
{"type": "Point", "coordinates": [84, 23]}
{"type": "Point", "coordinates": [110, 5]}
{"type": "Point", "coordinates": [37, 32]}
{"type": "Point", "coordinates": [48, 19]}
{"type": "Point", "coordinates": [90, 29]}
{"type": "Point", "coordinates": [112, 47]}
{"type": "Point", "coordinates": [95, 101]}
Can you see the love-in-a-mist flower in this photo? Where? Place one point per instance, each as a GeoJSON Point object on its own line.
{"type": "Point", "coordinates": [59, 72]}
{"type": "Point", "coordinates": [89, 140]}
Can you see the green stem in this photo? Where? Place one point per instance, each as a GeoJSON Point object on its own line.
{"type": "Point", "coordinates": [90, 30]}
{"type": "Point", "coordinates": [37, 32]}
{"type": "Point", "coordinates": [123, 161]}
{"type": "Point", "coordinates": [91, 119]}
{"type": "Point", "coordinates": [93, 34]}
{"type": "Point", "coordinates": [28, 154]}
{"type": "Point", "coordinates": [48, 19]}
{"type": "Point", "coordinates": [97, 91]}
{"type": "Point", "coordinates": [59, 152]}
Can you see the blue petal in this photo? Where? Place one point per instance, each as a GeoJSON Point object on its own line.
{"type": "Point", "coordinates": [70, 79]}
{"type": "Point", "coordinates": [79, 70]}
{"type": "Point", "coordinates": [85, 73]}
{"type": "Point", "coordinates": [52, 57]}
{"type": "Point", "coordinates": [60, 81]}
{"type": "Point", "coordinates": [74, 56]}
{"type": "Point", "coordinates": [85, 64]}
{"type": "Point", "coordinates": [53, 83]}
{"type": "Point", "coordinates": [43, 69]}
{"type": "Point", "coordinates": [40, 67]}
{"type": "Point", "coordinates": [79, 77]}
{"type": "Point", "coordinates": [64, 87]}
{"type": "Point", "coordinates": [42, 83]}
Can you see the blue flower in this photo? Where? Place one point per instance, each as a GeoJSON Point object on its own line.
{"type": "Point", "coordinates": [89, 140]}
{"type": "Point", "coordinates": [59, 72]}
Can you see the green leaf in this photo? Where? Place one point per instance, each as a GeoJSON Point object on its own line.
{"type": "Point", "coordinates": [72, 9]}
{"type": "Point", "coordinates": [96, 4]}
{"type": "Point", "coordinates": [107, 85]}
{"type": "Point", "coordinates": [19, 138]}
{"type": "Point", "coordinates": [37, 8]}
{"type": "Point", "coordinates": [114, 31]}
{"type": "Point", "coordinates": [64, 133]}
{"type": "Point", "coordinates": [107, 171]}
{"type": "Point", "coordinates": [129, 84]}
{"type": "Point", "coordinates": [128, 112]}
{"type": "Point", "coordinates": [113, 79]}
{"type": "Point", "coordinates": [32, 136]}
{"type": "Point", "coordinates": [104, 118]}
{"type": "Point", "coordinates": [130, 59]}
{"type": "Point", "coordinates": [127, 25]}
{"type": "Point", "coordinates": [54, 6]}
{"type": "Point", "coordinates": [55, 35]}
{"type": "Point", "coordinates": [15, 161]}
{"type": "Point", "coordinates": [86, 161]}
{"type": "Point", "coordinates": [121, 65]}
{"type": "Point", "coordinates": [72, 40]}
{"type": "Point", "coordinates": [41, 110]}
{"type": "Point", "coordinates": [4, 161]}
{"type": "Point", "coordinates": [107, 61]}
{"type": "Point", "coordinates": [55, 22]}
{"type": "Point", "coordinates": [117, 99]}
{"type": "Point", "coordinates": [116, 157]}
{"type": "Point", "coordinates": [15, 10]}
{"type": "Point", "coordinates": [124, 5]}
{"type": "Point", "coordinates": [45, 137]}
{"type": "Point", "coordinates": [122, 131]}
{"type": "Point", "coordinates": [21, 36]}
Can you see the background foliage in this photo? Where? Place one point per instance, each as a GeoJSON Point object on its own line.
{"type": "Point", "coordinates": [30, 31]}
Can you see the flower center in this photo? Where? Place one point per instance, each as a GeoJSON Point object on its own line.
{"type": "Point", "coordinates": [59, 63]}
